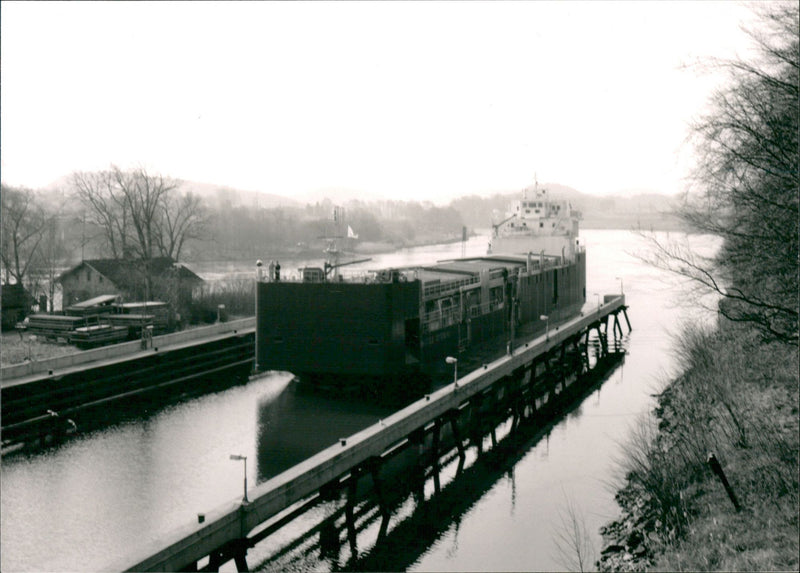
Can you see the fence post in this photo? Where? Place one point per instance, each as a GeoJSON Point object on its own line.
{"type": "Point", "coordinates": [717, 469]}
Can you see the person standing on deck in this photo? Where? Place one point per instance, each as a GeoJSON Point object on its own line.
{"type": "Point", "coordinates": [271, 271]}
{"type": "Point", "coordinates": [277, 272]}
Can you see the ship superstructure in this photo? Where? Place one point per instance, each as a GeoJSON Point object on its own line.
{"type": "Point", "coordinates": [395, 322]}
{"type": "Point", "coordinates": [537, 223]}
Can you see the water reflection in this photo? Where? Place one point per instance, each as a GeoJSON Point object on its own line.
{"type": "Point", "coordinates": [417, 510]}
{"type": "Point", "coordinates": [300, 422]}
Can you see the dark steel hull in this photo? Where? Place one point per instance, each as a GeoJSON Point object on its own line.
{"type": "Point", "coordinates": [382, 330]}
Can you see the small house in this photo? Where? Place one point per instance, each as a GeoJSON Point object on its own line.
{"type": "Point", "coordinates": [128, 278]}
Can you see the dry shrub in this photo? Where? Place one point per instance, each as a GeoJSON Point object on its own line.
{"type": "Point", "coordinates": [738, 398]}
{"type": "Point", "coordinates": [238, 296]}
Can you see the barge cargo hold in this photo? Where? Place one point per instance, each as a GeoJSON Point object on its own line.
{"type": "Point", "coordinates": [401, 322]}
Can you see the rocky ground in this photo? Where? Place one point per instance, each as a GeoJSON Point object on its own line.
{"type": "Point", "coordinates": [628, 539]}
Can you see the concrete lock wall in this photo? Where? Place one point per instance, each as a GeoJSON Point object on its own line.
{"type": "Point", "coordinates": [116, 350]}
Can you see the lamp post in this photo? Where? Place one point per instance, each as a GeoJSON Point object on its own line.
{"type": "Point", "coordinates": [546, 318]}
{"type": "Point", "coordinates": [237, 457]}
{"type": "Point", "coordinates": [454, 362]}
{"type": "Point", "coordinates": [259, 278]}
{"type": "Point", "coordinates": [621, 289]}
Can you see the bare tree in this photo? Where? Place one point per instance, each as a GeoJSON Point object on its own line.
{"type": "Point", "coordinates": [747, 184]}
{"type": "Point", "coordinates": [52, 253]}
{"type": "Point", "coordinates": [144, 196]}
{"type": "Point", "coordinates": [572, 541]}
{"type": "Point", "coordinates": [141, 214]}
{"type": "Point", "coordinates": [182, 218]}
{"type": "Point", "coordinates": [22, 220]}
{"type": "Point", "coordinates": [105, 208]}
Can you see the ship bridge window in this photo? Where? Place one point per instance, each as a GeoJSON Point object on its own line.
{"type": "Point", "coordinates": [527, 211]}
{"type": "Point", "coordinates": [541, 225]}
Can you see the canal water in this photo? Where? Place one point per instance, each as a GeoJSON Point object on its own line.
{"type": "Point", "coordinates": [93, 501]}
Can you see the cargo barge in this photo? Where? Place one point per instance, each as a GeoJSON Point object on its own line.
{"type": "Point", "coordinates": [403, 322]}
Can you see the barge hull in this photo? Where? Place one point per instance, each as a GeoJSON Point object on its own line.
{"type": "Point", "coordinates": [381, 330]}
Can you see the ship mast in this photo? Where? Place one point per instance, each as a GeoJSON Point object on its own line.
{"type": "Point", "coordinates": [332, 248]}
{"type": "Point", "coordinates": [341, 230]}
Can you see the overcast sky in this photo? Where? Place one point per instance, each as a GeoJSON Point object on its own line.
{"type": "Point", "coordinates": [405, 100]}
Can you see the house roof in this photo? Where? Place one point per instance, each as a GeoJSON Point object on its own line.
{"type": "Point", "coordinates": [117, 270]}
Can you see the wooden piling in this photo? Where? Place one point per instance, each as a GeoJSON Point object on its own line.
{"type": "Point", "coordinates": [453, 414]}
{"type": "Point", "coordinates": [625, 314]}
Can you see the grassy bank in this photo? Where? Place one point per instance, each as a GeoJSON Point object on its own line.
{"type": "Point", "coordinates": [17, 349]}
{"type": "Point", "coordinates": [738, 399]}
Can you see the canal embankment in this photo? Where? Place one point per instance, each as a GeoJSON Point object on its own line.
{"type": "Point", "coordinates": [736, 399]}
{"type": "Point", "coordinates": [43, 400]}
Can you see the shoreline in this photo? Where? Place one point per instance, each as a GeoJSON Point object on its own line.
{"type": "Point", "coordinates": [738, 399]}
{"type": "Point", "coordinates": [382, 247]}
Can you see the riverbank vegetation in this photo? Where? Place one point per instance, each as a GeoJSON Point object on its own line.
{"type": "Point", "coordinates": [236, 297]}
{"type": "Point", "coordinates": [735, 402]}
{"type": "Point", "coordinates": [737, 399]}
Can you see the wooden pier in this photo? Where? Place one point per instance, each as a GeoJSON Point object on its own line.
{"type": "Point", "coordinates": [522, 381]}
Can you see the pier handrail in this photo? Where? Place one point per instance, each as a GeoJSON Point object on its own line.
{"type": "Point", "coordinates": [235, 520]}
{"type": "Point", "coordinates": [435, 290]}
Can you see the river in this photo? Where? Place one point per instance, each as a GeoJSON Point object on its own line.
{"type": "Point", "coordinates": [92, 500]}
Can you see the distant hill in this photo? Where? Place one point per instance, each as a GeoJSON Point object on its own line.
{"type": "Point", "coordinates": [339, 195]}
{"type": "Point", "coordinates": [646, 210]}
{"type": "Point", "coordinates": [626, 209]}
{"type": "Point", "coordinates": [223, 195]}
{"type": "Point", "coordinates": [215, 195]}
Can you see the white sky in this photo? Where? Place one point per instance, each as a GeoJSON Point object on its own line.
{"type": "Point", "coordinates": [406, 100]}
